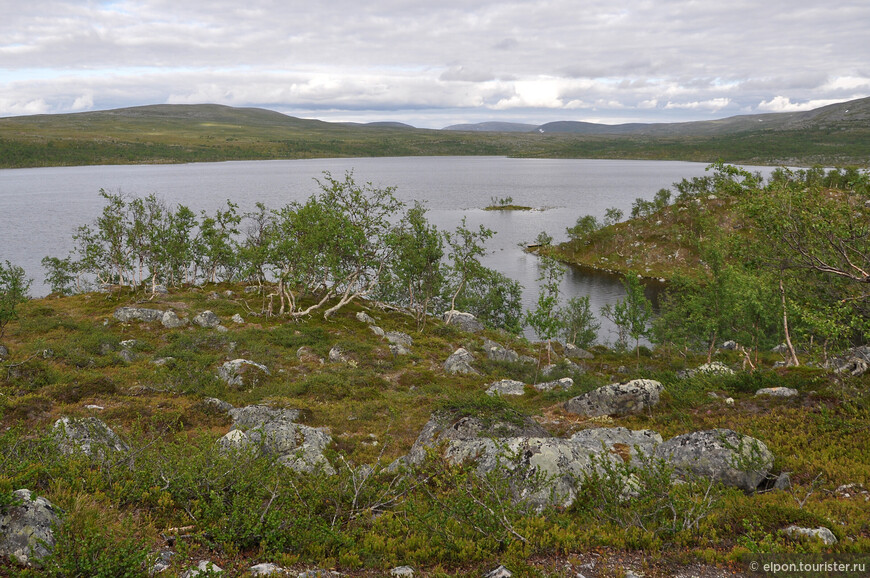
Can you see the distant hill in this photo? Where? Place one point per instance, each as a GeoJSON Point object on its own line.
{"type": "Point", "coordinates": [829, 117]}
{"type": "Point", "coordinates": [834, 135]}
{"type": "Point", "coordinates": [493, 127]}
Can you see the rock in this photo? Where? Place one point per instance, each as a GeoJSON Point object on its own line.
{"type": "Point", "coordinates": [207, 319]}
{"type": "Point", "coordinates": [564, 365]}
{"type": "Point", "coordinates": [163, 562]}
{"type": "Point", "coordinates": [730, 345]}
{"type": "Point", "coordinates": [217, 404]}
{"type": "Point", "coordinates": [777, 391]}
{"type": "Point", "coordinates": [643, 441]}
{"type": "Point", "coordinates": [506, 387]}
{"type": "Point", "coordinates": [171, 320]}
{"type": "Point", "coordinates": [459, 362]}
{"type": "Point", "coordinates": [399, 338]}
{"type": "Point", "coordinates": [318, 573]}
{"type": "Point", "coordinates": [127, 314]}
{"type": "Point", "coordinates": [403, 571]}
{"type": "Point", "coordinates": [4, 353]}
{"type": "Point", "coordinates": [87, 435]}
{"type": "Point", "coordinates": [721, 455]}
{"type": "Point", "coordinates": [495, 352]}
{"type": "Point", "coordinates": [781, 348]}
{"type": "Point", "coordinates": [500, 572]}
{"type": "Point", "coordinates": [365, 318]}
{"type": "Point", "coordinates": [617, 399]}
{"type": "Point", "coordinates": [573, 352]}
{"type": "Point", "coordinates": [128, 344]}
{"type": "Point", "coordinates": [127, 355]}
{"type": "Point", "coordinates": [242, 372]}
{"type": "Point", "coordinates": [377, 330]}
{"type": "Point", "coordinates": [825, 535]}
{"type": "Point", "coordinates": [160, 290]}
{"type": "Point", "coordinates": [445, 426]}
{"type": "Point", "coordinates": [338, 355]}
{"type": "Point", "coordinates": [464, 321]}
{"type": "Point", "coordinates": [238, 319]}
{"type": "Point", "coordinates": [856, 361]}
{"type": "Point", "coordinates": [783, 482]}
{"type": "Point", "coordinates": [274, 432]}
{"type": "Point", "coordinates": [399, 350]}
{"type": "Point", "coordinates": [564, 383]}
{"type": "Point", "coordinates": [265, 569]}
{"type": "Point", "coordinates": [715, 368]}
{"type": "Point", "coordinates": [204, 566]}
{"type": "Point", "coordinates": [26, 534]}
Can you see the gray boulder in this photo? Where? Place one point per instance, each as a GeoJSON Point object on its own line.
{"type": "Point", "coordinates": [365, 318]}
{"type": "Point", "coordinates": [500, 572]}
{"type": "Point", "coordinates": [127, 314]}
{"type": "Point", "coordinates": [856, 361]}
{"type": "Point", "coordinates": [721, 455]}
{"type": "Point", "coordinates": [617, 399]}
{"type": "Point", "coordinates": [338, 355]}
{"type": "Point", "coordinates": [825, 535]}
{"type": "Point", "coordinates": [238, 319]}
{"type": "Point", "coordinates": [459, 362]}
{"type": "Point", "coordinates": [402, 572]}
{"type": "Point", "coordinates": [4, 353]}
{"type": "Point", "coordinates": [377, 330]}
{"type": "Point", "coordinates": [464, 321]}
{"type": "Point", "coordinates": [573, 352]}
{"type": "Point", "coordinates": [619, 439]}
{"type": "Point", "coordinates": [273, 432]}
{"type": "Point", "coordinates": [564, 383]}
{"type": "Point", "coordinates": [496, 352]}
{"type": "Point", "coordinates": [400, 342]}
{"type": "Point", "coordinates": [506, 387]}
{"type": "Point", "coordinates": [777, 392]}
{"type": "Point", "coordinates": [171, 320]}
{"type": "Point", "coordinates": [265, 569]}
{"type": "Point", "coordinates": [242, 372]}
{"type": "Point", "coordinates": [217, 404]}
{"type": "Point", "coordinates": [204, 567]}
{"type": "Point", "coordinates": [87, 435]}
{"type": "Point", "coordinates": [26, 534]}
{"type": "Point", "coordinates": [714, 368]}
{"type": "Point", "coordinates": [564, 365]}
{"type": "Point", "coordinates": [444, 427]}
{"type": "Point", "coordinates": [207, 319]}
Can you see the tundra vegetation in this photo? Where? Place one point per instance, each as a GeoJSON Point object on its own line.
{"type": "Point", "coordinates": [326, 307]}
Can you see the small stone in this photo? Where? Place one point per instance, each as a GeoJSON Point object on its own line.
{"type": "Point", "coordinates": [365, 318]}
{"type": "Point", "coordinates": [171, 320]}
{"type": "Point", "coordinates": [564, 383]}
{"type": "Point", "coordinates": [202, 567]}
{"type": "Point", "coordinates": [506, 387]}
{"type": "Point", "coordinates": [238, 319]}
{"type": "Point", "coordinates": [783, 482]}
{"type": "Point", "coordinates": [221, 329]}
{"type": "Point", "coordinates": [500, 572]}
{"type": "Point", "coordinates": [4, 353]}
{"type": "Point", "coordinates": [729, 401]}
{"type": "Point", "coordinates": [405, 571]}
{"type": "Point", "coordinates": [265, 569]}
{"type": "Point", "coordinates": [95, 407]}
{"type": "Point", "coordinates": [207, 319]}
{"type": "Point", "coordinates": [127, 355]}
{"type": "Point", "coordinates": [377, 330]}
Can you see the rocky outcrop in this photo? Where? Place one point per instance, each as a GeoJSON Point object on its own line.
{"type": "Point", "coordinates": [26, 529]}
{"type": "Point", "coordinates": [460, 362]}
{"type": "Point", "coordinates": [207, 319]}
{"type": "Point", "coordinates": [87, 435]}
{"type": "Point", "coordinates": [242, 373]}
{"type": "Point", "coordinates": [721, 455]}
{"type": "Point", "coordinates": [274, 432]}
{"type": "Point", "coordinates": [620, 440]}
{"type": "Point", "coordinates": [464, 321]}
{"type": "Point", "coordinates": [496, 352]}
{"type": "Point", "coordinates": [617, 399]}
{"type": "Point", "coordinates": [506, 387]}
{"type": "Point", "coordinates": [128, 314]}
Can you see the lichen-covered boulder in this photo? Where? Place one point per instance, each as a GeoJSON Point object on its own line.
{"type": "Point", "coordinates": [821, 533]}
{"type": "Point", "coordinates": [275, 433]}
{"type": "Point", "coordinates": [506, 387]}
{"type": "Point", "coordinates": [26, 533]}
{"type": "Point", "coordinates": [574, 352]}
{"type": "Point", "coordinates": [87, 435]}
{"type": "Point", "coordinates": [714, 368]}
{"type": "Point", "coordinates": [127, 314]}
{"type": "Point", "coordinates": [242, 373]}
{"type": "Point", "coordinates": [564, 383]}
{"type": "Point", "coordinates": [207, 319]}
{"type": "Point", "coordinates": [460, 362]}
{"type": "Point", "coordinates": [496, 352]}
{"type": "Point", "coordinates": [620, 440]}
{"type": "Point", "coordinates": [617, 399]}
{"type": "Point", "coordinates": [171, 320]}
{"type": "Point", "coordinates": [777, 392]}
{"type": "Point", "coordinates": [464, 321]}
{"type": "Point", "coordinates": [722, 455]}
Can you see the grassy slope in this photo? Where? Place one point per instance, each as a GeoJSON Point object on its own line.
{"type": "Point", "coordinates": [821, 434]}
{"type": "Point", "coordinates": [192, 133]}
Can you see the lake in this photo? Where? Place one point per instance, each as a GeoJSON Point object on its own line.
{"type": "Point", "coordinates": [40, 208]}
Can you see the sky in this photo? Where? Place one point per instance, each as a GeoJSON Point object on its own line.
{"type": "Point", "coordinates": [436, 63]}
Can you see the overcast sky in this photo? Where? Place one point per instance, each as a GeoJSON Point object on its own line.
{"type": "Point", "coordinates": [438, 62]}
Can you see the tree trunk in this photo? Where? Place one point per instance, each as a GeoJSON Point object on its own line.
{"type": "Point", "coordinates": [794, 360]}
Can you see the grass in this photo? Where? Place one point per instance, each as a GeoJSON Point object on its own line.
{"type": "Point", "coordinates": [247, 510]}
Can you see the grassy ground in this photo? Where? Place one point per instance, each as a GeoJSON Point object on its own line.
{"type": "Point", "coordinates": [65, 355]}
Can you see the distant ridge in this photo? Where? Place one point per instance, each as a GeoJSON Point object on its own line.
{"type": "Point", "coordinates": [833, 116]}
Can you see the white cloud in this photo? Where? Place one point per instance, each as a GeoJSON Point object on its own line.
{"type": "Point", "coordinates": [712, 105]}
{"type": "Point", "coordinates": [784, 104]}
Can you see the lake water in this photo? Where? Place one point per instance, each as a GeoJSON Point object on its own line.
{"type": "Point", "coordinates": [40, 208]}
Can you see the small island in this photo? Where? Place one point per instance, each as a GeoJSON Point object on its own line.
{"type": "Point", "coordinates": [505, 204]}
